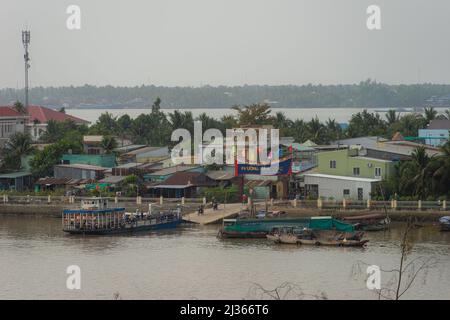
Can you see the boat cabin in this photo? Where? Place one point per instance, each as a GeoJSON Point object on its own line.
{"type": "Point", "coordinates": [94, 203]}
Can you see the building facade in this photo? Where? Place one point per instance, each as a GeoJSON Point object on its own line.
{"type": "Point", "coordinates": [11, 122]}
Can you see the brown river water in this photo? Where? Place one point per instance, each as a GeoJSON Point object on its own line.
{"type": "Point", "coordinates": [191, 263]}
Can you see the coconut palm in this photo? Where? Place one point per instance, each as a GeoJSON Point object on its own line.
{"type": "Point", "coordinates": [430, 114]}
{"type": "Point", "coordinates": [19, 107]}
{"type": "Point", "coordinates": [316, 129]}
{"type": "Point", "coordinates": [416, 173]}
{"type": "Point", "coordinates": [18, 146]}
{"type": "Point", "coordinates": [392, 116]}
{"type": "Point", "coordinates": [108, 144]}
{"type": "Point", "coordinates": [441, 171]}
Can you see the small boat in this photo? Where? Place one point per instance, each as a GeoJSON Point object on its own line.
{"type": "Point", "coordinates": [292, 235]}
{"type": "Point", "coordinates": [369, 222]}
{"type": "Point", "coordinates": [445, 223]}
{"type": "Point", "coordinates": [96, 218]}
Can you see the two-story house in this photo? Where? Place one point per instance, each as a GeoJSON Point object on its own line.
{"type": "Point", "coordinates": [11, 122]}
{"type": "Point", "coordinates": [351, 173]}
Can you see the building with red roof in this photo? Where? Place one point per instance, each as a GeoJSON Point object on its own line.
{"type": "Point", "coordinates": [34, 121]}
{"type": "Point", "coordinates": [39, 117]}
{"type": "Point", "coordinates": [11, 122]}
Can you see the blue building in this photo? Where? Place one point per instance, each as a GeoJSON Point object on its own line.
{"type": "Point", "coordinates": [437, 132]}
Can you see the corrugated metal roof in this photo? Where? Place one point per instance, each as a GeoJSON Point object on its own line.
{"type": "Point", "coordinates": [14, 175]}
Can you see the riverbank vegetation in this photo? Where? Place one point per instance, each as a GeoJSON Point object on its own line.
{"type": "Point", "coordinates": [365, 94]}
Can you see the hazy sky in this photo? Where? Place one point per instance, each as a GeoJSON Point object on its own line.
{"type": "Point", "coordinates": [225, 42]}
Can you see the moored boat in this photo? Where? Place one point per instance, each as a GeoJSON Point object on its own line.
{"type": "Point", "coordinates": [445, 223]}
{"type": "Point", "coordinates": [369, 222]}
{"type": "Point", "coordinates": [259, 228]}
{"type": "Point", "coordinates": [290, 235]}
{"type": "Point", "coordinates": [96, 218]}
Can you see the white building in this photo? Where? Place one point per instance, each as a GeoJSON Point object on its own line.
{"type": "Point", "coordinates": [11, 122]}
{"type": "Point", "coordinates": [338, 187]}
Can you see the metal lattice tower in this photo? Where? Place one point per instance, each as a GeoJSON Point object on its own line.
{"type": "Point", "coordinates": [26, 43]}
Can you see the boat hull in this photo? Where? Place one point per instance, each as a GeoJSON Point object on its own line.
{"type": "Point", "coordinates": [127, 229]}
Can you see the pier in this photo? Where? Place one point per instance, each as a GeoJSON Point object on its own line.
{"type": "Point", "coordinates": [211, 216]}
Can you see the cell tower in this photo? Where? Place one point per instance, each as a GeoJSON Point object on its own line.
{"type": "Point", "coordinates": [26, 43]}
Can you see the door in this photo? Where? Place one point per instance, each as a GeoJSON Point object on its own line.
{"type": "Point", "coordinates": [360, 193]}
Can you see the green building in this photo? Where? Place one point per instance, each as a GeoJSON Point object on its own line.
{"type": "Point", "coordinates": [353, 163]}
{"type": "Point", "coordinates": [100, 160]}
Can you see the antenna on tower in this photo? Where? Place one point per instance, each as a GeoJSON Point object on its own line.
{"type": "Point", "coordinates": [26, 43]}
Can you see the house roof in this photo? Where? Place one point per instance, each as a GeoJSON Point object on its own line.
{"type": "Point", "coordinates": [186, 179]}
{"type": "Point", "coordinates": [113, 179]}
{"type": "Point", "coordinates": [347, 178]}
{"type": "Point", "coordinates": [14, 175]}
{"type": "Point", "coordinates": [10, 112]}
{"type": "Point", "coordinates": [439, 124]}
{"type": "Point", "coordinates": [92, 139]}
{"type": "Point", "coordinates": [43, 115]}
{"type": "Point", "coordinates": [172, 170]}
{"type": "Point", "coordinates": [142, 150]}
{"type": "Point", "coordinates": [129, 148]}
{"type": "Point", "coordinates": [220, 175]}
{"type": "Point", "coordinates": [82, 166]}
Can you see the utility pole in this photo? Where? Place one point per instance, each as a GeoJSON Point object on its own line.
{"type": "Point", "coordinates": [26, 42]}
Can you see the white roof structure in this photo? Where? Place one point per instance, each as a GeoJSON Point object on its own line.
{"type": "Point", "coordinates": [346, 178]}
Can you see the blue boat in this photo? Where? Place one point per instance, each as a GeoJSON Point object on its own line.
{"type": "Point", "coordinates": [96, 218]}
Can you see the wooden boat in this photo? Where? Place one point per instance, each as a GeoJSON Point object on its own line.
{"type": "Point", "coordinates": [445, 223]}
{"type": "Point", "coordinates": [96, 218]}
{"type": "Point", "coordinates": [369, 222]}
{"type": "Point", "coordinates": [259, 228]}
{"type": "Point", "coordinates": [289, 235]}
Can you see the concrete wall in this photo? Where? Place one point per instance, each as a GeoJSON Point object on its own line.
{"type": "Point", "coordinates": [334, 188]}
{"type": "Point", "coordinates": [346, 163]}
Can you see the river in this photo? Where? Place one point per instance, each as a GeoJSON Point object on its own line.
{"type": "Point", "coordinates": [341, 115]}
{"type": "Point", "coordinates": [191, 263]}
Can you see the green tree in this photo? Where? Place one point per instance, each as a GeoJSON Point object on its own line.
{"type": "Point", "coordinates": [430, 114]}
{"type": "Point", "coordinates": [254, 114]}
{"type": "Point", "coordinates": [19, 107]}
{"type": "Point", "coordinates": [43, 161]}
{"type": "Point", "coordinates": [108, 144]}
{"type": "Point", "coordinates": [18, 146]}
{"type": "Point", "coordinates": [392, 116]}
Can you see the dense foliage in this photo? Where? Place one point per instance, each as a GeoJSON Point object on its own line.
{"type": "Point", "coordinates": [365, 94]}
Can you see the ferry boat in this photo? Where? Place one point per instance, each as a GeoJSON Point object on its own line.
{"type": "Point", "coordinates": [96, 218]}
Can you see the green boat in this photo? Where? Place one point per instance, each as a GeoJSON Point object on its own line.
{"type": "Point", "coordinates": [259, 228]}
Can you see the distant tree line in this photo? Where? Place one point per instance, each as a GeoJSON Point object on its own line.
{"type": "Point", "coordinates": [365, 94]}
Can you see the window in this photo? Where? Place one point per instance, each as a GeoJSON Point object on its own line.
{"type": "Point", "coordinates": [377, 172]}
{"type": "Point", "coordinates": [346, 192]}
{"type": "Point", "coordinates": [333, 164]}
{"type": "Point", "coordinates": [356, 171]}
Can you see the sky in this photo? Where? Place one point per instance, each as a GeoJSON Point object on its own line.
{"type": "Point", "coordinates": [225, 42]}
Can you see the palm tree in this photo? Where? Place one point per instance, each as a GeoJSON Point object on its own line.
{"type": "Point", "coordinates": [392, 116]}
{"type": "Point", "coordinates": [447, 114]}
{"type": "Point", "coordinates": [108, 144]}
{"type": "Point", "coordinates": [18, 146]}
{"type": "Point", "coordinates": [316, 129]}
{"type": "Point", "coordinates": [441, 172]}
{"type": "Point", "coordinates": [417, 172]}
{"type": "Point", "coordinates": [19, 107]}
{"type": "Point", "coordinates": [281, 122]}
{"type": "Point", "coordinates": [430, 114]}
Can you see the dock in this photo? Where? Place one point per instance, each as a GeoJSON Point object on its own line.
{"type": "Point", "coordinates": [211, 216]}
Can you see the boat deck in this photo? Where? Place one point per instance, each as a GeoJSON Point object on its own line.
{"type": "Point", "coordinates": [211, 216]}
